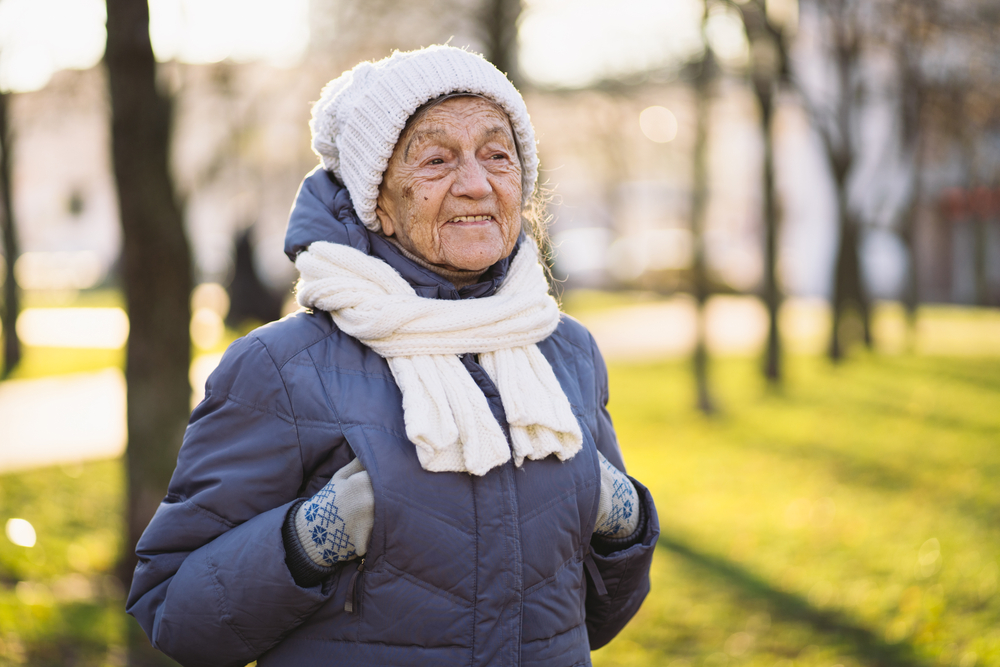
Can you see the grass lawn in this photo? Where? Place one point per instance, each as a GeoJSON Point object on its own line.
{"type": "Point", "coordinates": [59, 602]}
{"type": "Point", "coordinates": [850, 519]}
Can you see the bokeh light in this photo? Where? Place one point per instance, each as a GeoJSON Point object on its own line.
{"type": "Point", "coordinates": [207, 328]}
{"type": "Point", "coordinates": [572, 43]}
{"type": "Point", "coordinates": [93, 328]}
{"type": "Point", "coordinates": [21, 532]}
{"type": "Point", "coordinates": [658, 124]}
{"type": "Point", "coordinates": [212, 296]}
{"type": "Point", "coordinates": [58, 270]}
{"type": "Point", "coordinates": [206, 31]}
{"type": "Point", "coordinates": [39, 37]}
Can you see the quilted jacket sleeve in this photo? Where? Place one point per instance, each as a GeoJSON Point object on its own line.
{"type": "Point", "coordinates": [212, 586]}
{"type": "Point", "coordinates": [625, 572]}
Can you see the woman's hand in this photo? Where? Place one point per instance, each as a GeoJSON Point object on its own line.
{"type": "Point", "coordinates": [618, 509]}
{"type": "Point", "coordinates": [336, 524]}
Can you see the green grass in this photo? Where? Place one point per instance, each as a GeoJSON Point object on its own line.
{"type": "Point", "coordinates": [849, 519]}
{"type": "Point", "coordinates": [37, 362]}
{"type": "Point", "coordinates": [60, 604]}
{"type": "Point", "coordinates": [583, 301]}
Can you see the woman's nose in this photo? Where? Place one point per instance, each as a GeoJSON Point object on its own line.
{"type": "Point", "coordinates": [471, 181]}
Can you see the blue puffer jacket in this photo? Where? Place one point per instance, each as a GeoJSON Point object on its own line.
{"type": "Point", "coordinates": [461, 570]}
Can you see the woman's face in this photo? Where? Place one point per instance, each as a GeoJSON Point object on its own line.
{"type": "Point", "coordinates": [452, 191]}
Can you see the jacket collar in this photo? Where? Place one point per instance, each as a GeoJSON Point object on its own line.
{"type": "Point", "coordinates": [323, 212]}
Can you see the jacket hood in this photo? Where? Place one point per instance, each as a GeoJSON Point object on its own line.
{"type": "Point", "coordinates": [323, 211]}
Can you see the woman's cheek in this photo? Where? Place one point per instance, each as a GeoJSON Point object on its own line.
{"type": "Point", "coordinates": [512, 202]}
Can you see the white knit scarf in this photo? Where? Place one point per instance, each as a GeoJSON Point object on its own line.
{"type": "Point", "coordinates": [447, 416]}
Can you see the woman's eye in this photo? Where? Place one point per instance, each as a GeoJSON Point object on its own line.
{"type": "Point", "coordinates": [436, 160]}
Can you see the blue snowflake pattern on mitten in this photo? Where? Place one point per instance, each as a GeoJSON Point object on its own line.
{"type": "Point", "coordinates": [327, 527]}
{"type": "Point", "coordinates": [623, 503]}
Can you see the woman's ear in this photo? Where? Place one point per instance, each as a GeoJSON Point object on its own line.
{"type": "Point", "coordinates": [385, 221]}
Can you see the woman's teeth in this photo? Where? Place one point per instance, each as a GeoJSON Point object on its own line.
{"type": "Point", "coordinates": [471, 218]}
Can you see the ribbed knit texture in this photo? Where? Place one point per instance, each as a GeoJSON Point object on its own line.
{"type": "Point", "coordinates": [359, 116]}
{"type": "Point", "coordinates": [305, 571]}
{"type": "Point", "coordinates": [447, 416]}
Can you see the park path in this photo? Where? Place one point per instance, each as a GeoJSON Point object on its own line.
{"type": "Point", "coordinates": [61, 419]}
{"type": "Point", "coordinates": [71, 418]}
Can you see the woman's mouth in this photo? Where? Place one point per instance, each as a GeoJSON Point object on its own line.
{"type": "Point", "coordinates": [471, 219]}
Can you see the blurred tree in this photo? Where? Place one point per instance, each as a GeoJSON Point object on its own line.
{"type": "Point", "coordinates": [250, 300]}
{"type": "Point", "coordinates": [969, 99]}
{"type": "Point", "coordinates": [981, 210]}
{"type": "Point", "coordinates": [8, 227]}
{"type": "Point", "coordinates": [705, 72]}
{"type": "Point", "coordinates": [348, 31]}
{"type": "Point", "coordinates": [769, 71]}
{"type": "Point", "coordinates": [156, 273]}
{"type": "Point", "coordinates": [914, 23]}
{"type": "Point", "coordinates": [833, 115]}
{"type": "Point", "coordinates": [947, 82]}
{"type": "Point", "coordinates": [498, 29]}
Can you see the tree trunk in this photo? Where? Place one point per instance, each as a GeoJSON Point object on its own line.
{"type": "Point", "coordinates": [8, 227]}
{"type": "Point", "coordinates": [909, 53]}
{"type": "Point", "coordinates": [156, 269]}
{"type": "Point", "coordinates": [848, 287]}
{"type": "Point", "coordinates": [908, 236]}
{"type": "Point", "coordinates": [498, 24]}
{"type": "Point", "coordinates": [699, 206]}
{"type": "Point", "coordinates": [769, 70]}
{"type": "Point", "coordinates": [911, 289]}
{"type": "Point", "coordinates": [979, 225]}
{"type": "Point", "coordinates": [772, 292]}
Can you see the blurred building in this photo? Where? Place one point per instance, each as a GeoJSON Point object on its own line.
{"type": "Point", "coordinates": [616, 156]}
{"type": "Point", "coordinates": [240, 149]}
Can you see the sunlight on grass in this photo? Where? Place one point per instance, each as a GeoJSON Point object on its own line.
{"type": "Point", "coordinates": [39, 362]}
{"type": "Point", "coordinates": [60, 603]}
{"type": "Point", "coordinates": [580, 301]}
{"type": "Point", "coordinates": [848, 520]}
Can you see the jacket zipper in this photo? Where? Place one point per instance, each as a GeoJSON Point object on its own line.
{"type": "Point", "coordinates": [352, 589]}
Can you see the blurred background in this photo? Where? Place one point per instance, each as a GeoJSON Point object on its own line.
{"type": "Point", "coordinates": [779, 218]}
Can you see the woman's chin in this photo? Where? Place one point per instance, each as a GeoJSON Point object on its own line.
{"type": "Point", "coordinates": [472, 259]}
{"type": "Point", "coordinates": [472, 251]}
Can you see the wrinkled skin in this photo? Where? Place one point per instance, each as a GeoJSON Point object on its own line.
{"type": "Point", "coordinates": [452, 191]}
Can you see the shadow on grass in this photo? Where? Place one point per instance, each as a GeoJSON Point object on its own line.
{"type": "Point", "coordinates": [852, 470]}
{"type": "Point", "coordinates": [981, 373]}
{"type": "Point", "coordinates": [886, 407]}
{"type": "Point", "coordinates": [839, 630]}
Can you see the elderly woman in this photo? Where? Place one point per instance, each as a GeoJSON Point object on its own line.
{"type": "Point", "coordinates": [418, 468]}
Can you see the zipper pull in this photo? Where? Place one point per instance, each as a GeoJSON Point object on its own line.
{"type": "Point", "coordinates": [595, 575]}
{"type": "Point", "coordinates": [352, 589]}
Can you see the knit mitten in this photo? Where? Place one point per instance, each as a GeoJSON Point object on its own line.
{"type": "Point", "coordinates": [618, 508]}
{"type": "Point", "coordinates": [336, 524]}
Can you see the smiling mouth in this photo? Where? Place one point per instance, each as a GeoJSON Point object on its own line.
{"type": "Point", "coordinates": [472, 218]}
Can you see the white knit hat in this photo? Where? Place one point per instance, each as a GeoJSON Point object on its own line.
{"type": "Point", "coordinates": [360, 115]}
